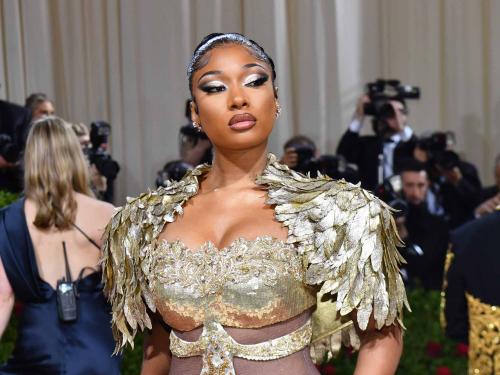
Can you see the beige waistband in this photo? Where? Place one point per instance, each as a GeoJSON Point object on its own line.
{"type": "Point", "coordinates": [218, 348]}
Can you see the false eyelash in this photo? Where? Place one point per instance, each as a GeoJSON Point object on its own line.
{"type": "Point", "coordinates": [212, 89]}
{"type": "Point", "coordinates": [258, 82]}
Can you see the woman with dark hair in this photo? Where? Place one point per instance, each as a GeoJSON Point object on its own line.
{"type": "Point", "coordinates": [246, 267]}
{"type": "Point", "coordinates": [49, 251]}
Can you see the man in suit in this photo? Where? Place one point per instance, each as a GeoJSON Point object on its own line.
{"type": "Point", "coordinates": [378, 156]}
{"type": "Point", "coordinates": [426, 262]}
{"type": "Point", "coordinates": [14, 127]}
{"type": "Point", "coordinates": [472, 293]}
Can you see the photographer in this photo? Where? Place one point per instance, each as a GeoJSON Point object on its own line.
{"type": "Point", "coordinates": [98, 181]}
{"type": "Point", "coordinates": [100, 158]}
{"type": "Point", "coordinates": [379, 156]}
{"type": "Point", "coordinates": [301, 155]}
{"type": "Point", "coordinates": [14, 127]}
{"type": "Point", "coordinates": [103, 169]}
{"type": "Point", "coordinates": [455, 182]}
{"type": "Point", "coordinates": [428, 267]}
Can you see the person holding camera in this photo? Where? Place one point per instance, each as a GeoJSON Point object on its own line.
{"type": "Point", "coordinates": [455, 182]}
{"type": "Point", "coordinates": [49, 253]}
{"type": "Point", "coordinates": [378, 156]}
{"type": "Point", "coordinates": [14, 126]}
{"type": "Point", "coordinates": [427, 255]}
{"type": "Point", "coordinates": [301, 154]}
{"type": "Point", "coordinates": [98, 182]}
{"type": "Point", "coordinates": [103, 169]}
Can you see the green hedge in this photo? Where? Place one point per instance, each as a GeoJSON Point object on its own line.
{"type": "Point", "coordinates": [426, 350]}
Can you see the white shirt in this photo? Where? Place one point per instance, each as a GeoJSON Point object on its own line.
{"type": "Point", "coordinates": [389, 145]}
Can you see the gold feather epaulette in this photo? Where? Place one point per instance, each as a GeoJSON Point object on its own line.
{"type": "Point", "coordinates": [348, 239]}
{"type": "Point", "coordinates": [133, 226]}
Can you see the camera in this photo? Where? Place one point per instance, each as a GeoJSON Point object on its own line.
{"type": "Point", "coordinates": [97, 153]}
{"type": "Point", "coordinates": [382, 91]}
{"type": "Point", "coordinates": [436, 146]}
{"type": "Point", "coordinates": [174, 170]}
{"type": "Point", "coordinates": [390, 191]}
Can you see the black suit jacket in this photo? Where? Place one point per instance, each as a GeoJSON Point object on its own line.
{"type": "Point", "coordinates": [364, 151]}
{"type": "Point", "coordinates": [14, 123]}
{"type": "Point", "coordinates": [475, 269]}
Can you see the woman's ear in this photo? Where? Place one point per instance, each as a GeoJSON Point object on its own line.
{"type": "Point", "coordinates": [194, 112]}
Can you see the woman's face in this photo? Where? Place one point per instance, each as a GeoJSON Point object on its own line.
{"type": "Point", "coordinates": [235, 98]}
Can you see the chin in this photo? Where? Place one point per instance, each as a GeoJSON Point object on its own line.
{"type": "Point", "coordinates": [241, 140]}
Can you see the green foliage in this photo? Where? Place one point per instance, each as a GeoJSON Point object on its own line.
{"type": "Point", "coordinates": [8, 340]}
{"type": "Point", "coordinates": [422, 328]}
{"type": "Point", "coordinates": [7, 198]}
{"type": "Point", "coordinates": [132, 358]}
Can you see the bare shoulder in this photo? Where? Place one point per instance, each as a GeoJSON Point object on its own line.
{"type": "Point", "coordinates": [98, 211]}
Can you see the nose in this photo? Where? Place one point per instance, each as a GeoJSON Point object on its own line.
{"type": "Point", "coordinates": [237, 98]}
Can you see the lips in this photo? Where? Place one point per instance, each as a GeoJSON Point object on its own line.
{"type": "Point", "coordinates": [242, 121]}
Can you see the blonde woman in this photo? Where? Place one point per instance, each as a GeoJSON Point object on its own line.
{"type": "Point", "coordinates": [49, 253]}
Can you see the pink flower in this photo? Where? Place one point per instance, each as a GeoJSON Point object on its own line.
{"type": "Point", "coordinates": [434, 349]}
{"type": "Point", "coordinates": [462, 350]}
{"type": "Point", "coordinates": [443, 371]}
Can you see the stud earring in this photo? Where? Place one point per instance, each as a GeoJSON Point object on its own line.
{"type": "Point", "coordinates": [278, 109]}
{"type": "Point", "coordinates": [196, 126]}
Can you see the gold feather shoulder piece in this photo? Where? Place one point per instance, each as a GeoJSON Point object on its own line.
{"type": "Point", "coordinates": [348, 239]}
{"type": "Point", "coordinates": [134, 226]}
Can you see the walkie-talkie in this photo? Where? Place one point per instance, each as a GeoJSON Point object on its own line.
{"type": "Point", "coordinates": [66, 295]}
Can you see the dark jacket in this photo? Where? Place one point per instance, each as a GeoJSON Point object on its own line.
{"type": "Point", "coordinates": [428, 268]}
{"type": "Point", "coordinates": [459, 201]}
{"type": "Point", "coordinates": [14, 128]}
{"type": "Point", "coordinates": [364, 151]}
{"type": "Point", "coordinates": [488, 193]}
{"type": "Point", "coordinates": [474, 269]}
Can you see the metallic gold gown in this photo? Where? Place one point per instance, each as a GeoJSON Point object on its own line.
{"type": "Point", "coordinates": [340, 258]}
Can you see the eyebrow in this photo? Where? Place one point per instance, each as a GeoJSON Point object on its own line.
{"type": "Point", "coordinates": [251, 65]}
{"type": "Point", "coordinates": [209, 73]}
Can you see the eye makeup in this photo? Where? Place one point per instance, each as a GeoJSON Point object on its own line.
{"type": "Point", "coordinates": [255, 80]}
{"type": "Point", "coordinates": [252, 80]}
{"type": "Point", "coordinates": [212, 87]}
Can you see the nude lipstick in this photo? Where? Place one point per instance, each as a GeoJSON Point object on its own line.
{"type": "Point", "coordinates": [242, 121]}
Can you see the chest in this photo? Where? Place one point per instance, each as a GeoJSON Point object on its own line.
{"type": "Point", "coordinates": [221, 220]}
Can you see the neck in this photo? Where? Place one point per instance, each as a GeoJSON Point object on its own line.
{"type": "Point", "coordinates": [236, 168]}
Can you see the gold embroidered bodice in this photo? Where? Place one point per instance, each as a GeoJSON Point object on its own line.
{"type": "Point", "coordinates": [484, 337]}
{"type": "Point", "coordinates": [248, 284]}
{"type": "Point", "coordinates": [340, 255]}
